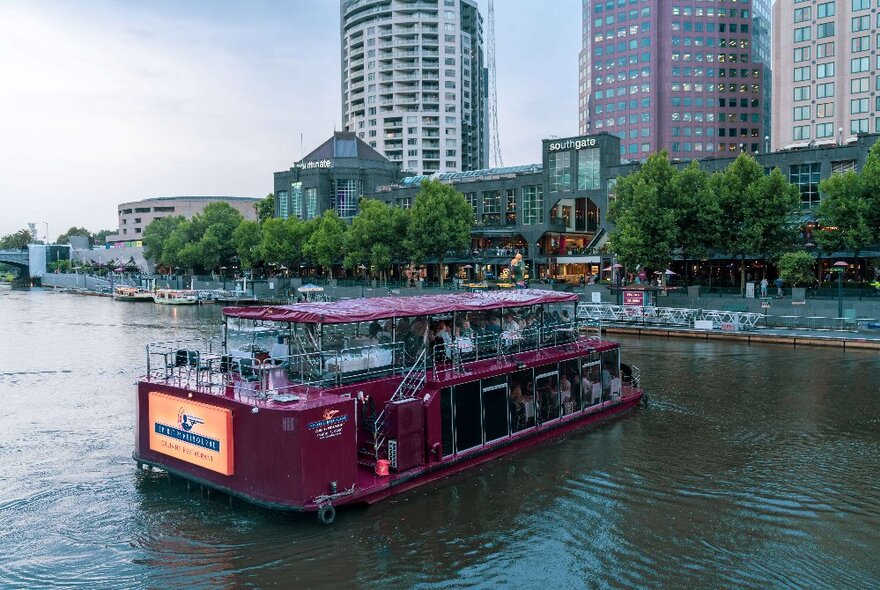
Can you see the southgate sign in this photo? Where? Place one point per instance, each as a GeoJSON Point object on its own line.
{"type": "Point", "coordinates": [573, 144]}
{"type": "Point", "coordinates": [314, 164]}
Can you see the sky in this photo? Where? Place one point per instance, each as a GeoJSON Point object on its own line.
{"type": "Point", "coordinates": [108, 101]}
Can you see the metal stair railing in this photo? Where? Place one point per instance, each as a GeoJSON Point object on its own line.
{"type": "Point", "coordinates": [412, 383]}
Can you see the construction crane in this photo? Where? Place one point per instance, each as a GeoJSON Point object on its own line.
{"type": "Point", "coordinates": [494, 138]}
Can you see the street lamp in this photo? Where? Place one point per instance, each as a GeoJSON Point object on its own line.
{"type": "Point", "coordinates": [839, 267]}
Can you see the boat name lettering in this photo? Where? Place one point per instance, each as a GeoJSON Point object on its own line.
{"type": "Point", "coordinates": [211, 444]}
{"type": "Point", "coordinates": [328, 422]}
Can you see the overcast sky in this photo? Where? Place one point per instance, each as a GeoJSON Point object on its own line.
{"type": "Point", "coordinates": [105, 101]}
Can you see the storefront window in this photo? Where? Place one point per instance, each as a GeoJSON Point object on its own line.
{"type": "Point", "coordinates": [560, 172]}
{"type": "Point", "coordinates": [533, 205]}
{"type": "Point", "coordinates": [588, 169]}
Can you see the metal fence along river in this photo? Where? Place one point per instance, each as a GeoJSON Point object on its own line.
{"type": "Point", "coordinates": [753, 467]}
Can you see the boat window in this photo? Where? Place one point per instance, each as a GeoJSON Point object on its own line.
{"type": "Point", "coordinates": [547, 390]}
{"type": "Point", "coordinates": [591, 382]}
{"type": "Point", "coordinates": [468, 416]}
{"type": "Point", "coordinates": [570, 386]}
{"type": "Point", "coordinates": [522, 400]}
{"type": "Point", "coordinates": [413, 332]}
{"type": "Point", "coordinates": [558, 314]}
{"type": "Point", "coordinates": [446, 421]}
{"type": "Point", "coordinates": [495, 415]}
{"type": "Point", "coordinates": [610, 374]}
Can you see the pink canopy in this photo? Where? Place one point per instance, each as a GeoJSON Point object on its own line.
{"type": "Point", "coordinates": [377, 308]}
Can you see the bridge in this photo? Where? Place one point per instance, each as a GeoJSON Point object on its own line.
{"type": "Point", "coordinates": [19, 258]}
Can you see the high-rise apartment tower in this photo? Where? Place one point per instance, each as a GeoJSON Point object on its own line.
{"type": "Point", "coordinates": [414, 83]}
{"type": "Point", "coordinates": [688, 76]}
{"type": "Point", "coordinates": [826, 71]}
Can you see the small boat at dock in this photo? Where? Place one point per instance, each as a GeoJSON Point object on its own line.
{"type": "Point", "coordinates": [133, 294]}
{"type": "Point", "coordinates": [175, 297]}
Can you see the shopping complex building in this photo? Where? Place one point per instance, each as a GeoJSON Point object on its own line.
{"type": "Point", "coordinates": [554, 213]}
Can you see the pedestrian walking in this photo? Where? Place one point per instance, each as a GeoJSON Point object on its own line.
{"type": "Point", "coordinates": [764, 285]}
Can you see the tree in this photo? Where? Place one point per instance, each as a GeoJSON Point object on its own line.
{"type": "Point", "coordinates": [74, 231]}
{"type": "Point", "coordinates": [440, 221]}
{"type": "Point", "coordinates": [17, 241]}
{"type": "Point", "coordinates": [870, 178]}
{"type": "Point", "coordinates": [374, 234]}
{"type": "Point", "coordinates": [796, 268]}
{"type": "Point", "coordinates": [156, 235]}
{"type": "Point", "coordinates": [265, 208]}
{"type": "Point", "coordinates": [696, 213]}
{"type": "Point", "coordinates": [101, 236]}
{"type": "Point", "coordinates": [284, 240]}
{"type": "Point", "coordinates": [208, 238]}
{"type": "Point", "coordinates": [844, 215]}
{"type": "Point", "coordinates": [645, 231]}
{"type": "Point", "coordinates": [246, 239]}
{"type": "Point", "coordinates": [325, 245]}
{"type": "Point", "coordinates": [758, 212]}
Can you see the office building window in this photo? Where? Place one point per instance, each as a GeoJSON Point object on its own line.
{"type": "Point", "coordinates": [825, 90]}
{"type": "Point", "coordinates": [824, 130]}
{"type": "Point", "coordinates": [824, 109]}
{"type": "Point", "coordinates": [560, 171]}
{"type": "Point", "coordinates": [311, 203]}
{"type": "Point", "coordinates": [858, 64]}
{"type": "Point", "coordinates": [861, 5]}
{"type": "Point", "coordinates": [825, 50]}
{"type": "Point", "coordinates": [533, 205]}
{"type": "Point", "coordinates": [802, 54]}
{"type": "Point", "coordinates": [860, 23]}
{"type": "Point", "coordinates": [801, 113]}
{"type": "Point", "coordinates": [345, 196]}
{"type": "Point", "coordinates": [858, 106]}
{"type": "Point", "coordinates": [806, 177]}
{"type": "Point", "coordinates": [802, 93]}
{"type": "Point", "coordinates": [843, 166]}
{"type": "Point", "coordinates": [802, 74]}
{"type": "Point", "coordinates": [857, 85]}
{"type": "Point", "coordinates": [588, 169]}
{"type": "Point", "coordinates": [860, 44]}
{"type": "Point", "coordinates": [857, 126]}
{"type": "Point", "coordinates": [283, 205]}
{"type": "Point", "coordinates": [824, 30]}
{"type": "Point", "coordinates": [296, 193]}
{"type": "Point", "coordinates": [802, 34]}
{"type": "Point", "coordinates": [825, 70]}
{"type": "Point", "coordinates": [825, 10]}
{"type": "Point", "coordinates": [801, 132]}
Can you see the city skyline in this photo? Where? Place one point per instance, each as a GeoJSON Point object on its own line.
{"type": "Point", "coordinates": [107, 102]}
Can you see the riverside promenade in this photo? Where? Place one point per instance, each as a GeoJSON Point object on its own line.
{"type": "Point", "coordinates": [812, 322]}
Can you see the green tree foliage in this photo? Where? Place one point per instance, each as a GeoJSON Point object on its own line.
{"type": "Point", "coordinates": [325, 245]}
{"type": "Point", "coordinates": [440, 221]}
{"type": "Point", "coordinates": [796, 268]}
{"type": "Point", "coordinates": [17, 241]}
{"type": "Point", "coordinates": [758, 212]}
{"type": "Point", "coordinates": [266, 208]}
{"type": "Point", "coordinates": [696, 212]}
{"type": "Point", "coordinates": [870, 178]}
{"type": "Point", "coordinates": [156, 235]}
{"type": "Point", "coordinates": [74, 231]}
{"type": "Point", "coordinates": [246, 240]}
{"type": "Point", "coordinates": [101, 236]}
{"type": "Point", "coordinates": [283, 241]}
{"type": "Point", "coordinates": [374, 235]}
{"type": "Point", "coordinates": [645, 231]}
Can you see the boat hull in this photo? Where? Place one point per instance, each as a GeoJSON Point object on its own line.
{"type": "Point", "coordinates": [257, 483]}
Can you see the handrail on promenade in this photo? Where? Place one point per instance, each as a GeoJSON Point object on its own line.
{"type": "Point", "coordinates": [669, 316]}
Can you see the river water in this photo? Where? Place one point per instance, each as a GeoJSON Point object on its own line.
{"type": "Point", "coordinates": [754, 466]}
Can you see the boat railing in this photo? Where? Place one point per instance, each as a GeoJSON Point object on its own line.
{"type": "Point", "coordinates": [448, 356]}
{"type": "Point", "coordinates": [634, 377]}
{"type": "Point", "coordinates": [194, 364]}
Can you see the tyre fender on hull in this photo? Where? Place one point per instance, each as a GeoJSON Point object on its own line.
{"type": "Point", "coordinates": [327, 514]}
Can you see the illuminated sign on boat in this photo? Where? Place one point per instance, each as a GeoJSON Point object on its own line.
{"type": "Point", "coordinates": [194, 432]}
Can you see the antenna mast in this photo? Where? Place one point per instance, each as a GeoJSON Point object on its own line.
{"type": "Point", "coordinates": [494, 138]}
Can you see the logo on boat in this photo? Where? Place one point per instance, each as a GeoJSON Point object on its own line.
{"type": "Point", "coordinates": [328, 414]}
{"type": "Point", "coordinates": [187, 421]}
{"type": "Point", "coordinates": [330, 425]}
{"type": "Point", "coordinates": [184, 431]}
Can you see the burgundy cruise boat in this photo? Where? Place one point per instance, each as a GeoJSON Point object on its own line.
{"type": "Point", "coordinates": [312, 406]}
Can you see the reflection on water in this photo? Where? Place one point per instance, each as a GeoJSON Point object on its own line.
{"type": "Point", "coordinates": [753, 467]}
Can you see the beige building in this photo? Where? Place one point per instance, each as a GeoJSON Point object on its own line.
{"type": "Point", "coordinates": [135, 216]}
{"type": "Point", "coordinates": [825, 72]}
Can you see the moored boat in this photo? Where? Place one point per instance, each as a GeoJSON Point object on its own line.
{"type": "Point", "coordinates": [175, 297]}
{"type": "Point", "coordinates": [359, 400]}
{"type": "Point", "coordinates": [133, 294]}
